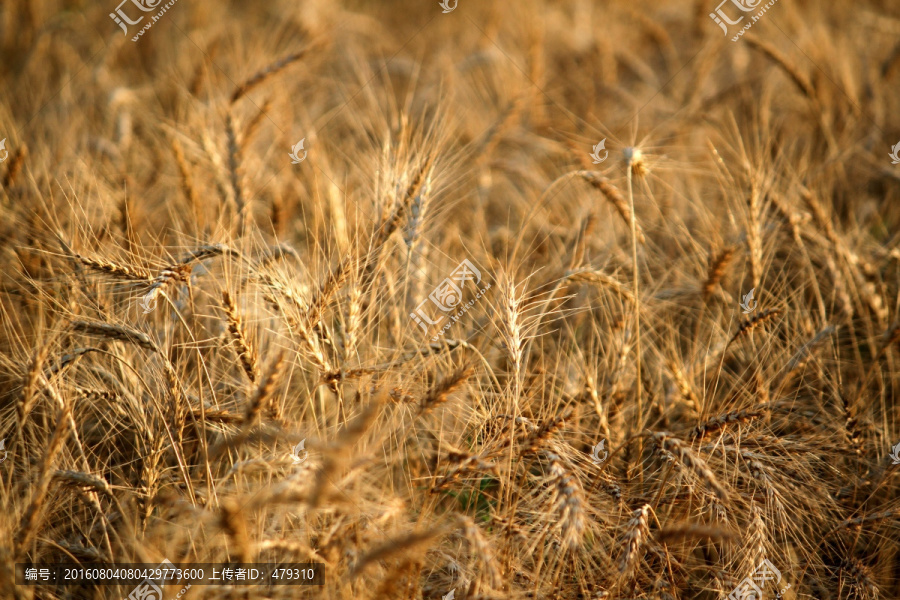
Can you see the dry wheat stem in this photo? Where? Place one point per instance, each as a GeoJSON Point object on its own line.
{"type": "Point", "coordinates": [639, 418]}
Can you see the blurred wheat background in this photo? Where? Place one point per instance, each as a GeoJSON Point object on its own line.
{"type": "Point", "coordinates": [156, 175]}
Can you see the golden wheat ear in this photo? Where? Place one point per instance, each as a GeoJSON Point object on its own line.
{"type": "Point", "coordinates": [440, 392]}
{"type": "Point", "coordinates": [261, 76]}
{"type": "Point", "coordinates": [115, 269]}
{"type": "Point", "coordinates": [614, 196]}
{"type": "Point", "coordinates": [637, 530]}
{"type": "Point", "coordinates": [245, 350]}
{"type": "Point", "coordinates": [717, 268]}
{"type": "Point", "coordinates": [691, 460]}
{"type": "Point", "coordinates": [750, 325]}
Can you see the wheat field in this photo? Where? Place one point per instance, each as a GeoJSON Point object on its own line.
{"type": "Point", "coordinates": [532, 299]}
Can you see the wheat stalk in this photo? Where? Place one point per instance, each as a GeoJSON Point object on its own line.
{"type": "Point", "coordinates": [234, 171]}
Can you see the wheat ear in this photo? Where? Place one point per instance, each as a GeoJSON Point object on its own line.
{"type": "Point", "coordinates": [722, 421]}
{"type": "Point", "coordinates": [540, 435]}
{"type": "Point", "coordinates": [695, 531]}
{"type": "Point", "coordinates": [271, 70]}
{"type": "Point", "coordinates": [747, 326]}
{"type": "Point", "coordinates": [688, 458]}
{"type": "Point", "coordinates": [232, 520]}
{"type": "Point", "coordinates": [245, 350]}
{"type": "Point", "coordinates": [861, 580]}
{"type": "Point", "coordinates": [717, 268]}
{"type": "Point", "coordinates": [482, 550]}
{"type": "Point", "coordinates": [15, 165]}
{"type": "Point", "coordinates": [187, 182]}
{"type": "Point", "coordinates": [115, 332]}
{"type": "Point", "coordinates": [781, 60]}
{"type": "Point", "coordinates": [115, 269]}
{"type": "Point", "coordinates": [85, 480]}
{"type": "Point", "coordinates": [29, 518]}
{"type": "Point", "coordinates": [264, 390]}
{"type": "Point", "coordinates": [440, 391]}
{"type": "Point", "coordinates": [615, 197]}
{"type": "Point", "coordinates": [392, 548]}
{"type": "Point", "coordinates": [637, 530]}
{"type": "Point", "coordinates": [568, 503]}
